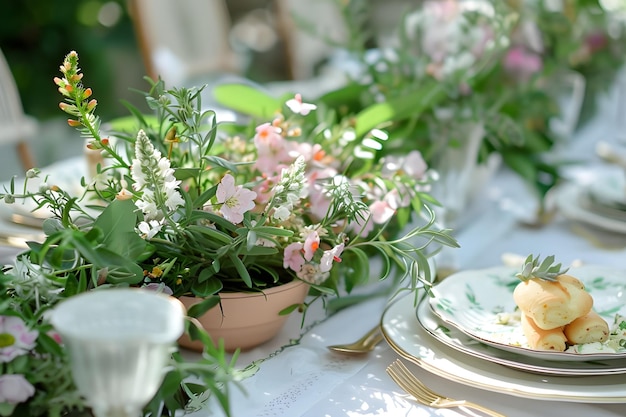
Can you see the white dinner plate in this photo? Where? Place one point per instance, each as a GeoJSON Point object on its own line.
{"type": "Point", "coordinates": [474, 300]}
{"type": "Point", "coordinates": [66, 174]}
{"type": "Point", "coordinates": [569, 199]}
{"type": "Point", "coordinates": [456, 339]}
{"type": "Point", "coordinates": [609, 190]}
{"type": "Point", "coordinates": [405, 336]}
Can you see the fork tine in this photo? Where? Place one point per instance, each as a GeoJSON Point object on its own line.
{"type": "Point", "coordinates": [409, 383]}
{"type": "Point", "coordinates": [417, 387]}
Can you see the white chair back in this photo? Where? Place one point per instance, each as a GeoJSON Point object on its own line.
{"type": "Point", "coordinates": [15, 127]}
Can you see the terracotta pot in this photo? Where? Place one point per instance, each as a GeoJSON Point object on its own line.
{"type": "Point", "coordinates": [246, 319]}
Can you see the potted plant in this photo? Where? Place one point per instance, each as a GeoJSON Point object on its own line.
{"type": "Point", "coordinates": [187, 206]}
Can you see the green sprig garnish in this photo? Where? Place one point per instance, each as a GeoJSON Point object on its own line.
{"type": "Point", "coordinates": [546, 269]}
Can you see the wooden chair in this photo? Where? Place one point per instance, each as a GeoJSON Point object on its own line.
{"type": "Point", "coordinates": [183, 40]}
{"type": "Point", "coordinates": [15, 127]}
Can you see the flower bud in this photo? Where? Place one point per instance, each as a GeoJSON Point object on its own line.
{"type": "Point", "coordinates": [32, 173]}
{"type": "Point", "coordinates": [92, 105]}
{"type": "Point", "coordinates": [88, 93]}
{"type": "Point", "coordinates": [124, 194]}
{"type": "Point", "coordinates": [74, 123]}
{"type": "Point", "coordinates": [9, 199]}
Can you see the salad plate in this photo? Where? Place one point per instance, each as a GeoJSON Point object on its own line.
{"type": "Point", "coordinates": [406, 337]}
{"type": "Point", "coordinates": [572, 201]}
{"type": "Point", "coordinates": [455, 339]}
{"type": "Point", "coordinates": [480, 304]}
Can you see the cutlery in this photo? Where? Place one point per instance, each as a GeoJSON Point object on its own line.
{"type": "Point", "coordinates": [424, 395]}
{"type": "Point", "coordinates": [365, 344]}
{"type": "Point", "coordinates": [609, 154]}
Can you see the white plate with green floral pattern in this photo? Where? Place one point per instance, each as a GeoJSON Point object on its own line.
{"type": "Point", "coordinates": [459, 341]}
{"type": "Point", "coordinates": [480, 304]}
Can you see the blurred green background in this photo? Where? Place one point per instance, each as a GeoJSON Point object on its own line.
{"type": "Point", "coordinates": [35, 35]}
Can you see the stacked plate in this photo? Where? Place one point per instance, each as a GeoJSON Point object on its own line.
{"type": "Point", "coordinates": [599, 201]}
{"type": "Point", "coordinates": [462, 334]}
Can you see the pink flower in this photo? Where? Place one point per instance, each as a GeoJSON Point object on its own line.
{"type": "Point", "coordinates": [15, 389]}
{"type": "Point", "coordinates": [297, 106]}
{"type": "Point", "coordinates": [158, 287]}
{"type": "Point", "coordinates": [412, 165]}
{"type": "Point", "coordinates": [272, 148]}
{"type": "Point", "coordinates": [235, 200]}
{"type": "Point", "coordinates": [293, 256]}
{"type": "Point", "coordinates": [16, 338]}
{"type": "Point", "coordinates": [381, 211]}
{"type": "Point", "coordinates": [522, 63]}
{"type": "Point", "coordinates": [319, 199]}
{"type": "Point", "coordinates": [311, 244]}
{"type": "Point", "coordinates": [326, 263]}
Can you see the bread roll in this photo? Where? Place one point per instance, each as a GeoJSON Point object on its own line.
{"type": "Point", "coordinates": [541, 339]}
{"type": "Point", "coordinates": [553, 304]}
{"type": "Point", "coordinates": [587, 329]}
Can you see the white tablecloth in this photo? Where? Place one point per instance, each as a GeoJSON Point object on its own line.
{"type": "Point", "coordinates": [306, 379]}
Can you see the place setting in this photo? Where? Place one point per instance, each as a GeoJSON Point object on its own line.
{"type": "Point", "coordinates": [597, 197]}
{"type": "Point", "coordinates": [470, 331]}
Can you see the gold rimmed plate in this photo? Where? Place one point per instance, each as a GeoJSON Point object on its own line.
{"type": "Point", "coordinates": [454, 338]}
{"type": "Point", "coordinates": [475, 301]}
{"type": "Point", "coordinates": [407, 338]}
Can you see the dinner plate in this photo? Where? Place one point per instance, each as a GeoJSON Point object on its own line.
{"type": "Point", "coordinates": [406, 337]}
{"type": "Point", "coordinates": [456, 339]}
{"type": "Point", "coordinates": [609, 190]}
{"type": "Point", "coordinates": [65, 174]}
{"type": "Point", "coordinates": [570, 201]}
{"type": "Point", "coordinates": [476, 301]}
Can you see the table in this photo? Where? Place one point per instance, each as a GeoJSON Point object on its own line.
{"type": "Point", "coordinates": [308, 380]}
{"type": "Point", "coordinates": [302, 377]}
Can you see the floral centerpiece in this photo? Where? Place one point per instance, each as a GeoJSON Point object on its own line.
{"type": "Point", "coordinates": [499, 64]}
{"type": "Point", "coordinates": [187, 206]}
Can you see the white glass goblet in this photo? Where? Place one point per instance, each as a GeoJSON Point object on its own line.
{"type": "Point", "coordinates": [119, 342]}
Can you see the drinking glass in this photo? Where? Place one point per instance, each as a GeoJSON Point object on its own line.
{"type": "Point", "coordinates": [119, 342]}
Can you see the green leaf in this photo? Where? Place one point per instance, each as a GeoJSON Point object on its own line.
{"type": "Point", "coordinates": [247, 100]}
{"type": "Point", "coordinates": [211, 233]}
{"type": "Point", "coordinates": [118, 221]}
{"type": "Point", "coordinates": [398, 108]}
{"type": "Point", "coordinates": [241, 269]}
{"type": "Point", "coordinates": [288, 310]}
{"type": "Point", "coordinates": [49, 344]}
{"type": "Point", "coordinates": [203, 306]}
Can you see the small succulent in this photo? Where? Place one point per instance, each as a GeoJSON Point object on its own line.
{"type": "Point", "coordinates": [546, 269]}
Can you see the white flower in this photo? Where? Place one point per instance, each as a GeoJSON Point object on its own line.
{"type": "Point", "coordinates": [148, 230]}
{"type": "Point", "coordinates": [153, 176]}
{"type": "Point", "coordinates": [297, 106]}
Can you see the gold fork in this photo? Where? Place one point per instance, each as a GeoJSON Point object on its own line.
{"type": "Point", "coordinates": [424, 395]}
